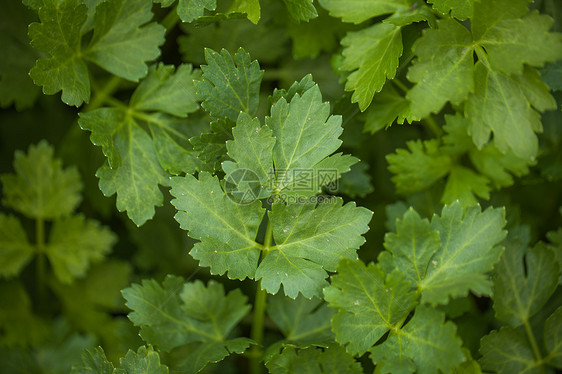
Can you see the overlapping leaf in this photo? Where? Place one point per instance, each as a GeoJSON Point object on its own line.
{"type": "Point", "coordinates": [313, 360]}
{"type": "Point", "coordinates": [230, 85]}
{"type": "Point", "coordinates": [122, 43]}
{"type": "Point", "coordinates": [443, 70]}
{"type": "Point", "coordinates": [301, 10]}
{"type": "Point", "coordinates": [138, 162]}
{"type": "Point", "coordinates": [302, 321]}
{"type": "Point", "coordinates": [426, 163]}
{"type": "Point", "coordinates": [461, 9]}
{"type": "Point", "coordinates": [426, 344]}
{"type": "Point", "coordinates": [302, 134]}
{"type": "Point", "coordinates": [227, 230]}
{"type": "Point", "coordinates": [507, 351]}
{"type": "Point", "coordinates": [419, 167]}
{"type": "Point", "coordinates": [310, 241]}
{"type": "Point", "coordinates": [369, 304]}
{"type": "Point", "coordinates": [299, 259]}
{"type": "Point", "coordinates": [374, 52]}
{"type": "Point", "coordinates": [144, 360]}
{"type": "Point", "coordinates": [504, 38]}
{"type": "Point", "coordinates": [177, 314]}
{"type": "Point", "coordinates": [449, 256]}
{"type": "Point", "coordinates": [525, 279]}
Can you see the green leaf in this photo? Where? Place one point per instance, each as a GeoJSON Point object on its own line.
{"type": "Point", "coordinates": [411, 248]}
{"type": "Point", "coordinates": [179, 313]}
{"type": "Point", "coordinates": [498, 167]}
{"type": "Point", "coordinates": [94, 361]}
{"type": "Point", "coordinates": [144, 360]}
{"type": "Point", "coordinates": [553, 338]}
{"type": "Point", "coordinates": [468, 251]}
{"type": "Point", "coordinates": [122, 43]}
{"type": "Point", "coordinates": [190, 10]}
{"type": "Point", "coordinates": [443, 70]}
{"type": "Point", "coordinates": [229, 86]}
{"type": "Point", "coordinates": [465, 185]}
{"type": "Point", "coordinates": [211, 146]}
{"type": "Point", "coordinates": [387, 106]}
{"type": "Point", "coordinates": [310, 240]}
{"type": "Point", "coordinates": [167, 90]}
{"type": "Point", "coordinates": [552, 75]}
{"type": "Point", "coordinates": [301, 10]}
{"type": "Point", "coordinates": [371, 66]}
{"type": "Point", "coordinates": [313, 360]}
{"type": "Point", "coordinates": [132, 170]}
{"type": "Point", "coordinates": [448, 257]}
{"type": "Point", "coordinates": [525, 280]}
{"type": "Point", "coordinates": [212, 352]}
{"type": "Point", "coordinates": [419, 167]}
{"type": "Point", "coordinates": [41, 188]}
{"type": "Point", "coordinates": [74, 244]}
{"type": "Point", "coordinates": [306, 137]}
{"type": "Point", "coordinates": [418, 12]}
{"type": "Point", "coordinates": [62, 350]}
{"type": "Point", "coordinates": [59, 35]}
{"type": "Point", "coordinates": [461, 9]}
{"type": "Point", "coordinates": [299, 88]}
{"type": "Point", "coordinates": [250, 7]}
{"type": "Point", "coordinates": [302, 321]}
{"type": "Point", "coordinates": [369, 304]}
{"type": "Point", "coordinates": [18, 325]}
{"type": "Point", "coordinates": [507, 351]}
{"type": "Point", "coordinates": [513, 42]}
{"type": "Point", "coordinates": [16, 249]}
{"type": "Point", "coordinates": [357, 182]}
{"type": "Point", "coordinates": [17, 57]}
{"type": "Point", "coordinates": [302, 134]}
{"type": "Point", "coordinates": [227, 230]}
{"type": "Point", "coordinates": [251, 148]}
{"type": "Point", "coordinates": [357, 11]}
{"type": "Point", "coordinates": [426, 344]}
{"type": "Point", "coordinates": [535, 90]}
{"type": "Point", "coordinates": [514, 125]}
{"type": "Point", "coordinates": [488, 14]}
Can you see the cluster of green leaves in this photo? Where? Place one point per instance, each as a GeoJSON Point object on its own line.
{"type": "Point", "coordinates": [451, 291]}
{"type": "Point", "coordinates": [75, 247]}
{"type": "Point", "coordinates": [277, 151]}
{"type": "Point", "coordinates": [500, 94]}
{"type": "Point", "coordinates": [43, 191]}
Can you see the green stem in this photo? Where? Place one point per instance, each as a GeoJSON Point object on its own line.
{"type": "Point", "coordinates": [41, 265]}
{"type": "Point", "coordinates": [433, 126]}
{"type": "Point", "coordinates": [534, 345]}
{"type": "Point", "coordinates": [398, 83]}
{"type": "Point", "coordinates": [171, 19]}
{"type": "Point", "coordinates": [106, 92]}
{"type": "Point", "coordinates": [260, 303]}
